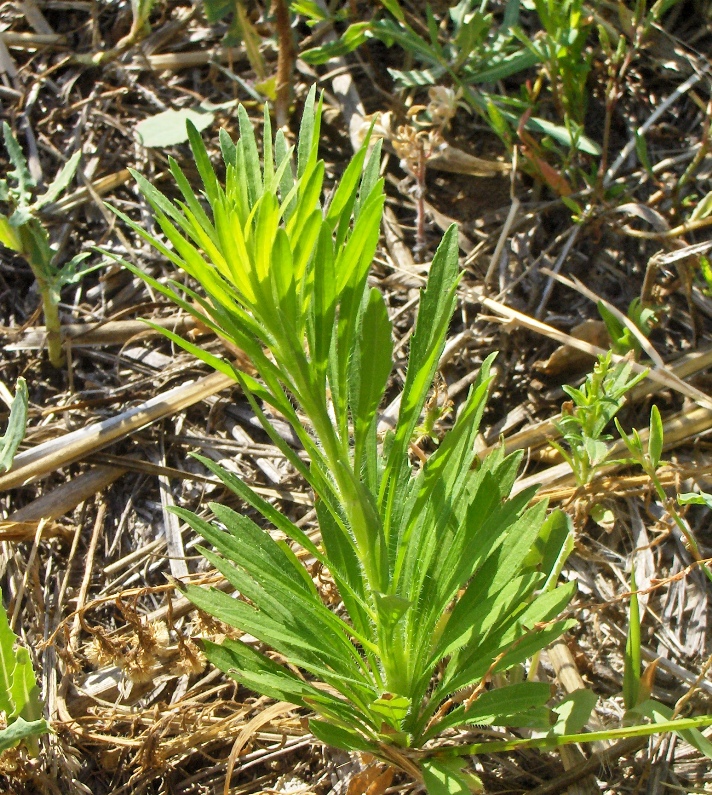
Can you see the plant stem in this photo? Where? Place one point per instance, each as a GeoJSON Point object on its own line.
{"type": "Point", "coordinates": [53, 325]}
{"type": "Point", "coordinates": [285, 62]}
{"type": "Point", "coordinates": [669, 505]}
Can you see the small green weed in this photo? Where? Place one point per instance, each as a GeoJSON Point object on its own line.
{"type": "Point", "coordinates": [592, 407]}
{"type": "Point", "coordinates": [623, 340]}
{"type": "Point", "coordinates": [22, 230]}
{"type": "Point", "coordinates": [649, 458]}
{"type": "Point", "coordinates": [19, 695]}
{"type": "Point", "coordinates": [16, 426]}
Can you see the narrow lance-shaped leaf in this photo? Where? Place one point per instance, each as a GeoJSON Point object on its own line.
{"type": "Point", "coordinates": [436, 307]}
{"type": "Point", "coordinates": [7, 663]}
{"type": "Point", "coordinates": [371, 367]}
{"type": "Point", "coordinates": [16, 426]}
{"type": "Point", "coordinates": [253, 173]}
{"type": "Point", "coordinates": [60, 182]}
{"type": "Point", "coordinates": [655, 440]}
{"type": "Point", "coordinates": [202, 161]}
{"type": "Point", "coordinates": [632, 662]}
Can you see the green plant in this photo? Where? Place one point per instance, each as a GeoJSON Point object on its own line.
{"type": "Point", "coordinates": [16, 426]}
{"type": "Point", "coordinates": [22, 230]}
{"type": "Point", "coordinates": [469, 47]}
{"type": "Point", "coordinates": [622, 338]}
{"type": "Point", "coordinates": [561, 49]}
{"type": "Point", "coordinates": [638, 685]}
{"type": "Point", "coordinates": [444, 580]}
{"type": "Point", "coordinates": [592, 407]}
{"type": "Point", "coordinates": [19, 696]}
{"type": "Point", "coordinates": [649, 458]}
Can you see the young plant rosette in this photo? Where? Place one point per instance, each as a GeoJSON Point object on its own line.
{"type": "Point", "coordinates": [445, 580]}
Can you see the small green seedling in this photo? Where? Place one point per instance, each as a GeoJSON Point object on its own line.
{"type": "Point", "coordinates": [622, 338]}
{"type": "Point", "coordinates": [446, 581]}
{"type": "Point", "coordinates": [638, 685]}
{"type": "Point", "coordinates": [20, 703]}
{"type": "Point", "coordinates": [585, 419]}
{"type": "Point", "coordinates": [22, 230]}
{"type": "Point", "coordinates": [16, 426]}
{"type": "Point", "coordinates": [650, 459]}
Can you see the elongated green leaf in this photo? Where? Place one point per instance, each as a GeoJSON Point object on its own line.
{"type": "Point", "coordinates": [25, 693]}
{"type": "Point", "coordinates": [308, 133]}
{"type": "Point", "coordinates": [21, 173]}
{"type": "Point", "coordinates": [436, 308]}
{"type": "Point", "coordinates": [655, 440]}
{"type": "Point", "coordinates": [339, 737]}
{"type": "Point", "coordinates": [556, 741]}
{"type": "Point", "coordinates": [371, 367]}
{"type": "Point", "coordinates": [248, 666]}
{"type": "Point", "coordinates": [20, 730]}
{"type": "Point", "coordinates": [253, 172]}
{"type": "Point", "coordinates": [7, 664]}
{"type": "Point", "coordinates": [660, 714]}
{"type": "Point", "coordinates": [632, 659]}
{"type": "Point", "coordinates": [16, 427]}
{"type": "Point", "coordinates": [60, 182]}
{"type": "Point", "coordinates": [491, 705]}
{"type": "Point", "coordinates": [481, 608]}
{"type": "Point", "coordinates": [202, 161]}
{"type": "Point", "coordinates": [278, 519]}
{"type": "Point", "coordinates": [343, 200]}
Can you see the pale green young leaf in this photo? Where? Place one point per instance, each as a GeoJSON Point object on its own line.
{"type": "Point", "coordinates": [303, 248]}
{"type": "Point", "coordinates": [25, 693]}
{"type": "Point", "coordinates": [21, 173]}
{"type": "Point", "coordinates": [632, 658]}
{"type": "Point", "coordinates": [574, 711]}
{"type": "Point", "coordinates": [283, 159]}
{"type": "Point", "coordinates": [7, 664]}
{"type": "Point", "coordinates": [308, 133]}
{"type": "Point", "coordinates": [227, 148]}
{"type": "Point", "coordinates": [308, 193]}
{"type": "Point", "coordinates": [282, 282]}
{"type": "Point", "coordinates": [202, 161]}
{"type": "Point", "coordinates": [16, 428]}
{"type": "Point", "coordinates": [191, 200]}
{"type": "Point", "coordinates": [370, 177]}
{"type": "Point", "coordinates": [60, 182]}
{"type": "Point", "coordinates": [371, 368]}
{"type": "Point", "coordinates": [253, 172]}
{"type": "Point", "coordinates": [269, 182]}
{"type": "Point", "coordinates": [236, 256]}
{"type": "Point", "coordinates": [343, 199]}
{"type": "Point", "coordinates": [447, 777]}
{"type": "Point", "coordinates": [655, 440]}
